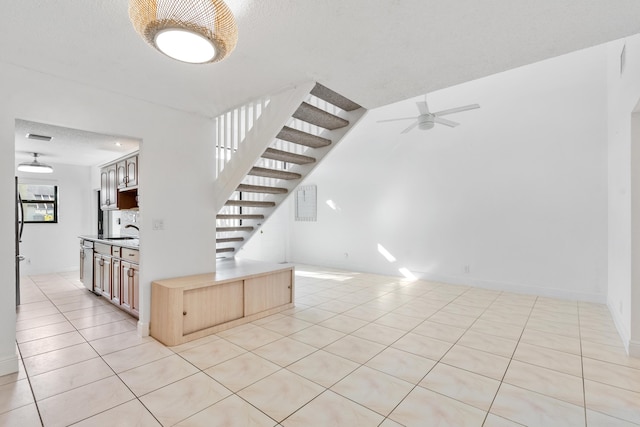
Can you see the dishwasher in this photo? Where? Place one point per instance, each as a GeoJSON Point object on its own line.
{"type": "Point", "coordinates": [86, 264]}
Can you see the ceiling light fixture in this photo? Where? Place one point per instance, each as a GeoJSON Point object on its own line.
{"type": "Point", "coordinates": [35, 166]}
{"type": "Point", "coordinates": [194, 31]}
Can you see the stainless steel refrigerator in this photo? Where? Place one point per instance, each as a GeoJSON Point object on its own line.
{"type": "Point", "coordinates": [19, 230]}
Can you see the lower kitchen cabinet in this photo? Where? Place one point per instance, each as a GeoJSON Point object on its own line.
{"type": "Point", "coordinates": [116, 281]}
{"type": "Point", "coordinates": [102, 275]}
{"type": "Point", "coordinates": [116, 275]}
{"type": "Point", "coordinates": [130, 287]}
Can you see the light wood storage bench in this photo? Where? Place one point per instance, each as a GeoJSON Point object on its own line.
{"type": "Point", "coordinates": [240, 291]}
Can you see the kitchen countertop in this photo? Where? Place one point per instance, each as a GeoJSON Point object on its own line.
{"type": "Point", "coordinates": [130, 242]}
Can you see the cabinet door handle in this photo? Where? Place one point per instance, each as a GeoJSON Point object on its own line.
{"type": "Point", "coordinates": [184, 313]}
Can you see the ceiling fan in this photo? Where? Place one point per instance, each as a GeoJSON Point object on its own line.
{"type": "Point", "coordinates": [427, 120]}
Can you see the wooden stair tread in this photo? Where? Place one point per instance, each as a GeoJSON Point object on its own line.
{"type": "Point", "coordinates": [250, 203]}
{"type": "Point", "coordinates": [285, 156]}
{"type": "Point", "coordinates": [221, 250]}
{"type": "Point", "coordinates": [314, 115]}
{"type": "Point", "coordinates": [239, 216]}
{"type": "Point", "coordinates": [334, 98]}
{"type": "Point", "coordinates": [273, 173]}
{"type": "Point", "coordinates": [261, 189]}
{"type": "Point", "coordinates": [240, 228]}
{"type": "Point", "coordinates": [303, 138]}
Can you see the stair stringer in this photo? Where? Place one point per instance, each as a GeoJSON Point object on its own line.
{"type": "Point", "coordinates": [336, 136]}
{"type": "Point", "coordinates": [279, 111]}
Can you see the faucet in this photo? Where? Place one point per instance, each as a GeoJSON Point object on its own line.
{"type": "Point", "coordinates": [132, 226]}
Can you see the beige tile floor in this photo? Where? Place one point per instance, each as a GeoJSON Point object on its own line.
{"type": "Point", "coordinates": [358, 350]}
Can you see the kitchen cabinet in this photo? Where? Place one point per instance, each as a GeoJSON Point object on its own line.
{"type": "Point", "coordinates": [116, 281]}
{"type": "Point", "coordinates": [102, 270]}
{"type": "Point", "coordinates": [127, 172]}
{"type": "Point", "coordinates": [130, 287]}
{"type": "Point", "coordinates": [108, 188]}
{"type": "Point", "coordinates": [117, 275]}
{"type": "Point", "coordinates": [118, 184]}
{"type": "Point", "coordinates": [102, 275]}
{"type": "Point", "coordinates": [188, 308]}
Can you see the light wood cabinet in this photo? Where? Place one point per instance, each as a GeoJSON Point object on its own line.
{"type": "Point", "coordinates": [210, 306]}
{"type": "Point", "coordinates": [263, 293]}
{"type": "Point", "coordinates": [188, 308]}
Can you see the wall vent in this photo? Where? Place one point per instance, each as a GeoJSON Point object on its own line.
{"type": "Point", "coordinates": [39, 137]}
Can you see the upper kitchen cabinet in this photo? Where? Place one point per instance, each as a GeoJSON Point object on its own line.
{"type": "Point", "coordinates": [108, 189]}
{"type": "Point", "coordinates": [119, 184]}
{"type": "Point", "coordinates": [127, 173]}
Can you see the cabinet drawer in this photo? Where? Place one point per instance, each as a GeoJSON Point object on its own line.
{"type": "Point", "coordinates": [115, 251]}
{"type": "Point", "coordinates": [131, 255]}
{"type": "Point", "coordinates": [101, 248]}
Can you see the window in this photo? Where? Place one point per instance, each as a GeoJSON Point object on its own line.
{"type": "Point", "coordinates": [39, 202]}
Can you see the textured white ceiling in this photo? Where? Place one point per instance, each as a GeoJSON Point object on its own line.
{"type": "Point", "coordinates": [374, 52]}
{"type": "Point", "coordinates": [69, 146]}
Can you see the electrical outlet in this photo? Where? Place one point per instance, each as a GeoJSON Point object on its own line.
{"type": "Point", "coordinates": [28, 260]}
{"type": "Point", "coordinates": [158, 224]}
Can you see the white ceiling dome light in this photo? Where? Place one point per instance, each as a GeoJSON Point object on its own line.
{"type": "Point", "coordinates": [35, 166]}
{"type": "Point", "coordinates": [193, 31]}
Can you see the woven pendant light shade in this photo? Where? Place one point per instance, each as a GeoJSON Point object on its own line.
{"type": "Point", "coordinates": [210, 20]}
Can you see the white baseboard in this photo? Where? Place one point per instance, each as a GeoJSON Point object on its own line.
{"type": "Point", "coordinates": [515, 288]}
{"type": "Point", "coordinates": [143, 329]}
{"type": "Point", "coordinates": [9, 365]}
{"type": "Point", "coordinates": [620, 327]}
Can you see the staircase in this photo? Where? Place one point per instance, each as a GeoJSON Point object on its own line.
{"type": "Point", "coordinates": [266, 168]}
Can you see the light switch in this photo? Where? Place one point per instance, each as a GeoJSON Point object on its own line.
{"type": "Point", "coordinates": [158, 224]}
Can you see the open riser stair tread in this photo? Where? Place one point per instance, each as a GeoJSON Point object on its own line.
{"type": "Point", "coordinates": [273, 173]}
{"type": "Point", "coordinates": [223, 250]}
{"type": "Point", "coordinates": [239, 216]}
{"type": "Point", "coordinates": [261, 189]}
{"type": "Point", "coordinates": [334, 98]}
{"type": "Point", "coordinates": [228, 229]}
{"type": "Point", "coordinates": [230, 239]}
{"type": "Point", "coordinates": [286, 156]}
{"type": "Point", "coordinates": [302, 138]}
{"type": "Point", "coordinates": [317, 116]}
{"type": "Point", "coordinates": [250, 203]}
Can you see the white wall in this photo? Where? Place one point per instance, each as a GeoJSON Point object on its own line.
{"type": "Point", "coordinates": [176, 178]}
{"type": "Point", "coordinates": [623, 95]}
{"type": "Point", "coordinates": [518, 192]}
{"type": "Point", "coordinates": [50, 248]}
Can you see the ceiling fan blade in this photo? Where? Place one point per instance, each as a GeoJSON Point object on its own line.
{"type": "Point", "coordinates": [445, 122]}
{"type": "Point", "coordinates": [395, 120]}
{"type": "Point", "coordinates": [423, 107]}
{"type": "Point", "coordinates": [456, 110]}
{"type": "Point", "coordinates": [410, 128]}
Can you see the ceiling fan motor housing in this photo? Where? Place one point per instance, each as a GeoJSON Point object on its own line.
{"type": "Point", "coordinates": [426, 122]}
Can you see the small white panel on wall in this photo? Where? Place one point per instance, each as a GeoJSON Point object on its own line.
{"type": "Point", "coordinates": [306, 203]}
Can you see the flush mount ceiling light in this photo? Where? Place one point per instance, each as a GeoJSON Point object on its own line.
{"type": "Point", "coordinates": [194, 31]}
{"type": "Point", "coordinates": [35, 166]}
